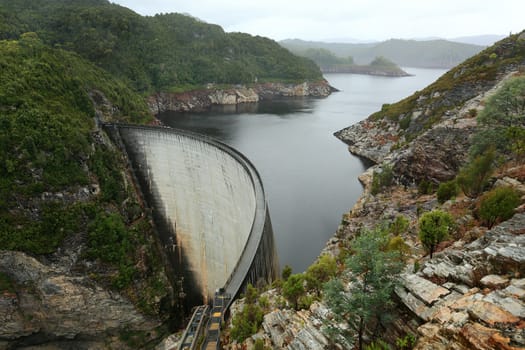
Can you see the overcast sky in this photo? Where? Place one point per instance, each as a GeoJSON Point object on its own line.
{"type": "Point", "coordinates": [335, 19]}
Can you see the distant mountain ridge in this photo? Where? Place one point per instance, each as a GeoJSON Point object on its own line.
{"type": "Point", "coordinates": [484, 40]}
{"type": "Point", "coordinates": [405, 53]}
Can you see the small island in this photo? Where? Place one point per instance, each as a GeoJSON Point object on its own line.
{"type": "Point", "coordinates": [328, 62]}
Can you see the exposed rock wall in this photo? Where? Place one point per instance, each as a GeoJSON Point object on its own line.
{"type": "Point", "coordinates": [49, 304]}
{"type": "Point", "coordinates": [434, 155]}
{"type": "Point", "coordinates": [201, 100]}
{"type": "Point", "coordinates": [479, 302]}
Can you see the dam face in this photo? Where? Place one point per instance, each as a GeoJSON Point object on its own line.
{"type": "Point", "coordinates": [209, 202]}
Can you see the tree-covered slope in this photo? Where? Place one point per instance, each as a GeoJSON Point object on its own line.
{"type": "Point", "coordinates": [330, 63]}
{"type": "Point", "coordinates": [63, 186]}
{"type": "Point", "coordinates": [455, 87]}
{"type": "Point", "coordinates": [406, 53]}
{"type": "Point", "coordinates": [159, 53]}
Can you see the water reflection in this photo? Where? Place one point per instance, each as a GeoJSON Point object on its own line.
{"type": "Point", "coordinates": [309, 176]}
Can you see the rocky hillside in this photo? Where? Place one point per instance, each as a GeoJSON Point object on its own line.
{"type": "Point", "coordinates": [440, 116]}
{"type": "Point", "coordinates": [79, 263]}
{"type": "Point", "coordinates": [470, 293]}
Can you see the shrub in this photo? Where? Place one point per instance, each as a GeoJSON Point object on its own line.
{"type": "Point", "coordinates": [247, 322]}
{"type": "Point", "coordinates": [406, 342]}
{"type": "Point", "coordinates": [382, 179]}
{"type": "Point", "coordinates": [293, 289]}
{"type": "Point", "coordinates": [425, 187]}
{"type": "Point", "coordinates": [447, 190]}
{"type": "Point", "coordinates": [398, 244]}
{"type": "Point", "coordinates": [473, 178]}
{"type": "Point", "coordinates": [498, 205]}
{"type": "Point", "coordinates": [287, 272]}
{"type": "Point", "coordinates": [434, 227]}
{"type": "Point", "coordinates": [320, 272]}
{"type": "Point", "coordinates": [399, 225]}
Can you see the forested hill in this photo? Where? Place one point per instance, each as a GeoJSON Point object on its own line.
{"type": "Point", "coordinates": [405, 53]}
{"type": "Point", "coordinates": [166, 52]}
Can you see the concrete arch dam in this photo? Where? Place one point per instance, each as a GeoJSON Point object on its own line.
{"type": "Point", "coordinates": [208, 205]}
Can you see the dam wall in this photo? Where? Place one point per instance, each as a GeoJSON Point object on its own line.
{"type": "Point", "coordinates": [208, 204]}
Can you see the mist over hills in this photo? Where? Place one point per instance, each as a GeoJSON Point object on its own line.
{"type": "Point", "coordinates": [436, 53]}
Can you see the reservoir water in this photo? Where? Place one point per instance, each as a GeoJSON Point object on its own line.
{"type": "Point", "coordinates": [309, 176]}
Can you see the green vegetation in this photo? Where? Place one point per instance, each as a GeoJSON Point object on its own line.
{"type": "Point", "coordinates": [453, 88]}
{"type": "Point", "coordinates": [165, 52]}
{"type": "Point", "coordinates": [50, 162]}
{"type": "Point", "coordinates": [46, 121]}
{"type": "Point", "coordinates": [293, 289]}
{"type": "Point", "coordinates": [498, 205]}
{"type": "Point", "coordinates": [248, 321]}
{"type": "Point", "coordinates": [373, 272]}
{"type": "Point", "coordinates": [382, 62]}
{"type": "Point", "coordinates": [377, 345]}
{"type": "Point", "coordinates": [382, 179]}
{"type": "Point", "coordinates": [406, 53]}
{"type": "Point", "coordinates": [287, 272]}
{"type": "Point", "coordinates": [434, 227]}
{"type": "Point", "coordinates": [503, 121]}
{"type": "Point", "coordinates": [473, 177]}
{"type": "Point", "coordinates": [399, 225]}
{"type": "Point", "coordinates": [425, 187]}
{"type": "Point", "coordinates": [325, 58]}
{"type": "Point", "coordinates": [320, 272]}
{"type": "Point", "coordinates": [447, 190]}
{"type": "Point", "coordinates": [407, 342]}
{"type": "Point", "coordinates": [330, 63]}
{"type": "Point", "coordinates": [6, 284]}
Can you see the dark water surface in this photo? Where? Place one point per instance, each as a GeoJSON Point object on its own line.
{"type": "Point", "coordinates": [309, 176]}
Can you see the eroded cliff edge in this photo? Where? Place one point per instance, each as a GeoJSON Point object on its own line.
{"type": "Point", "coordinates": [201, 100]}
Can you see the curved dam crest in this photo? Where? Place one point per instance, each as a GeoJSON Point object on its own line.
{"type": "Point", "coordinates": [209, 207]}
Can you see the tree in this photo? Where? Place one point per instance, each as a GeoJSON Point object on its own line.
{"type": "Point", "coordinates": [434, 227]}
{"type": "Point", "coordinates": [399, 225]}
{"type": "Point", "coordinates": [503, 120]}
{"type": "Point", "coordinates": [293, 288]}
{"type": "Point", "coordinates": [287, 272]}
{"type": "Point", "coordinates": [447, 190]}
{"type": "Point", "coordinates": [320, 272]}
{"type": "Point", "coordinates": [382, 179]}
{"type": "Point", "coordinates": [507, 106]}
{"type": "Point", "coordinates": [473, 178]}
{"type": "Point", "coordinates": [248, 321]}
{"type": "Point", "coordinates": [498, 205]}
{"type": "Point", "coordinates": [373, 272]}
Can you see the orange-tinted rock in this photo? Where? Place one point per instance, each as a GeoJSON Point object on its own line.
{"type": "Point", "coordinates": [492, 314]}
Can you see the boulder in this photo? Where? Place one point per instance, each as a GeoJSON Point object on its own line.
{"type": "Point", "coordinates": [494, 281]}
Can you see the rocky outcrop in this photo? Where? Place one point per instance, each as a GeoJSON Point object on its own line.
{"type": "Point", "coordinates": [479, 303]}
{"type": "Point", "coordinates": [50, 305]}
{"type": "Point", "coordinates": [201, 100]}
{"type": "Point", "coordinates": [434, 155]}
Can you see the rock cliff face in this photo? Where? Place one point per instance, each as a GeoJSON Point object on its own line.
{"type": "Point", "coordinates": [434, 154]}
{"type": "Point", "coordinates": [201, 100]}
{"type": "Point", "coordinates": [49, 304]}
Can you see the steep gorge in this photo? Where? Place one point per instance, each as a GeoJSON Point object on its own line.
{"type": "Point", "coordinates": [470, 294]}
